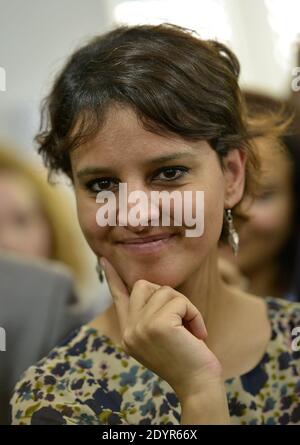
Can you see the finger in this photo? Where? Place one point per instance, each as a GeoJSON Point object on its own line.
{"type": "Point", "coordinates": [183, 312]}
{"type": "Point", "coordinates": [141, 292]}
{"type": "Point", "coordinates": [118, 291]}
{"type": "Point", "coordinates": [157, 300]}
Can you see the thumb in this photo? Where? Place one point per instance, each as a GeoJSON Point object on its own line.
{"type": "Point", "coordinates": [118, 291]}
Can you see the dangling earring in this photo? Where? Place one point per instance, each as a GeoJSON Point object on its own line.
{"type": "Point", "coordinates": [233, 236]}
{"type": "Point", "coordinates": [100, 272]}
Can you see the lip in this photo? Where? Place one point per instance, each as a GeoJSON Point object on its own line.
{"type": "Point", "coordinates": [147, 239]}
{"type": "Point", "coordinates": [151, 244]}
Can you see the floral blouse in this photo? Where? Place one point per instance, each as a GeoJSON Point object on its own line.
{"type": "Point", "coordinates": [90, 380]}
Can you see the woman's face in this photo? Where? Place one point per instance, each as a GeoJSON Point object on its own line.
{"type": "Point", "coordinates": [23, 228]}
{"type": "Point", "coordinates": [124, 152]}
{"type": "Point", "coordinates": [270, 215]}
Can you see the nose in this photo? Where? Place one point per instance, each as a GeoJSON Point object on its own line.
{"type": "Point", "coordinates": [136, 211]}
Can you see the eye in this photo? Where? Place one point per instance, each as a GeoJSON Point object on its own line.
{"type": "Point", "coordinates": [266, 195]}
{"type": "Point", "coordinates": [101, 184]}
{"type": "Point", "coordinates": [172, 173]}
{"type": "Point", "coordinates": [22, 219]}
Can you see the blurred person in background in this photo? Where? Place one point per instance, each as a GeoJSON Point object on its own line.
{"type": "Point", "coordinates": [268, 259]}
{"type": "Point", "coordinates": [45, 269]}
{"type": "Point", "coordinates": [38, 220]}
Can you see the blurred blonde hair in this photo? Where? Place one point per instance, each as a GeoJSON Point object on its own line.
{"type": "Point", "coordinates": [68, 244]}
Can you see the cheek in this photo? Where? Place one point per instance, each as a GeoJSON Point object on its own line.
{"type": "Point", "coordinates": [213, 209]}
{"type": "Point", "coordinates": [42, 239]}
{"type": "Point", "coordinates": [93, 233]}
{"type": "Point", "coordinates": [34, 240]}
{"type": "Point", "coordinates": [272, 218]}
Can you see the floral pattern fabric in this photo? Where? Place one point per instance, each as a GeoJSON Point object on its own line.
{"type": "Point", "coordinates": [90, 380]}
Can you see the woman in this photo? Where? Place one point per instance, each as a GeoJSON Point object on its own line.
{"type": "Point", "coordinates": [159, 109]}
{"type": "Point", "coordinates": [269, 240]}
{"type": "Point", "coordinates": [38, 220]}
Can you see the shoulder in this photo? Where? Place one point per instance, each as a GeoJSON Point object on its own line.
{"type": "Point", "coordinates": [284, 314]}
{"type": "Point", "coordinates": [285, 342]}
{"type": "Point", "coordinates": [59, 388]}
{"type": "Point", "coordinates": [11, 265]}
{"type": "Point", "coordinates": [42, 281]}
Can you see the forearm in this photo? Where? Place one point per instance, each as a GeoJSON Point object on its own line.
{"type": "Point", "coordinates": [206, 407]}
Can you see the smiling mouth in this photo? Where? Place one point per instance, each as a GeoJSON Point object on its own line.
{"type": "Point", "coordinates": [147, 245]}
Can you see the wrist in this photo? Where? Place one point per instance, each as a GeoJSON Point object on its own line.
{"type": "Point", "coordinates": [205, 407]}
{"type": "Point", "coordinates": [202, 390]}
{"type": "Point", "coordinates": [200, 386]}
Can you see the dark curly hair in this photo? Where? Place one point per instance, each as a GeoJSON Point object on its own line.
{"type": "Point", "coordinates": [174, 81]}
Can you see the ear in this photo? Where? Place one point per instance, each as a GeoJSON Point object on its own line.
{"type": "Point", "coordinates": [234, 173]}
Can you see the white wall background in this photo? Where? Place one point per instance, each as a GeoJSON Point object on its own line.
{"type": "Point", "coordinates": [37, 35]}
{"type": "Point", "coordinates": [35, 38]}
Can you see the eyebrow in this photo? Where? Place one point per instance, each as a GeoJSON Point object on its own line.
{"type": "Point", "coordinates": [92, 170]}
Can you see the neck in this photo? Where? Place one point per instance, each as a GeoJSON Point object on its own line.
{"type": "Point", "coordinates": [206, 291]}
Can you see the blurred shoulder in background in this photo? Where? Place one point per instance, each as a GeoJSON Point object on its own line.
{"type": "Point", "coordinates": [37, 310]}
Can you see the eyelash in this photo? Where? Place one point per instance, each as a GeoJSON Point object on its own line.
{"type": "Point", "coordinates": [93, 182]}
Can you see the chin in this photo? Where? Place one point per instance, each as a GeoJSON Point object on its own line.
{"type": "Point", "coordinates": [165, 279]}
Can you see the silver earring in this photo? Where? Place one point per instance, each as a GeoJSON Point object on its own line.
{"type": "Point", "coordinates": [233, 236]}
{"type": "Point", "coordinates": [100, 272]}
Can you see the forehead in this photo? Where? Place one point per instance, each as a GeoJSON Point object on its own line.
{"type": "Point", "coordinates": [16, 187]}
{"type": "Point", "coordinates": [123, 137]}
